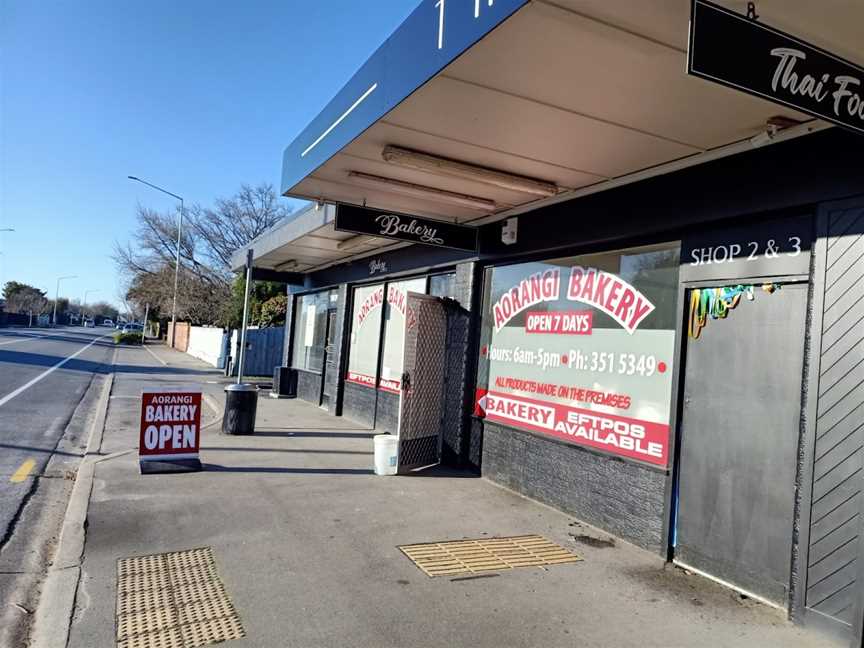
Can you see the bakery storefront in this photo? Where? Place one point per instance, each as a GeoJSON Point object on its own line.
{"type": "Point", "coordinates": [659, 324]}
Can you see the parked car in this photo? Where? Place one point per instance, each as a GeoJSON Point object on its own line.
{"type": "Point", "coordinates": [88, 323]}
{"type": "Point", "coordinates": [132, 327]}
{"type": "Point", "coordinates": [108, 322]}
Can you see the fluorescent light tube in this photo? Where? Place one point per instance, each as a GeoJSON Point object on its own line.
{"type": "Point", "coordinates": [453, 168]}
{"type": "Point", "coordinates": [422, 191]}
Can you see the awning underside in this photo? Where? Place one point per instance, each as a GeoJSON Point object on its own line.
{"type": "Point", "coordinates": [570, 92]}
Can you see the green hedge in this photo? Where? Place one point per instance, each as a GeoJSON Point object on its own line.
{"type": "Point", "coordinates": [127, 338]}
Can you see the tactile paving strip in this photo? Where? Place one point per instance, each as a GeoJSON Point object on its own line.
{"type": "Point", "coordinates": [456, 557]}
{"type": "Point", "coordinates": [173, 600]}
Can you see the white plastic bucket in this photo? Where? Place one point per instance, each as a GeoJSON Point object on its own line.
{"type": "Point", "coordinates": [386, 449]}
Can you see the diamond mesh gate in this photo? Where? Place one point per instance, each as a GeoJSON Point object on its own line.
{"type": "Point", "coordinates": [422, 399]}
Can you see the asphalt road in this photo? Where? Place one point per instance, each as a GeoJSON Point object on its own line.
{"type": "Point", "coordinates": [43, 376]}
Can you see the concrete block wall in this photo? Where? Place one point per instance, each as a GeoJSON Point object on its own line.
{"type": "Point", "coordinates": [208, 343]}
{"type": "Point", "coordinates": [623, 498]}
{"type": "Point", "coordinates": [309, 386]}
{"type": "Point", "coordinates": [459, 433]}
{"type": "Point", "coordinates": [358, 404]}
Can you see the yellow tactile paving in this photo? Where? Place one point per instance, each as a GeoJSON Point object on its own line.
{"type": "Point", "coordinates": [455, 557]}
{"type": "Point", "coordinates": [173, 600]}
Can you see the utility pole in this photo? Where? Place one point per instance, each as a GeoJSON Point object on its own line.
{"type": "Point", "coordinates": [144, 328]}
{"type": "Point", "coordinates": [245, 316]}
{"type": "Point", "coordinates": [177, 260]}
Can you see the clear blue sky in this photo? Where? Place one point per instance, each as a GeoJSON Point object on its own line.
{"type": "Point", "coordinates": [198, 97]}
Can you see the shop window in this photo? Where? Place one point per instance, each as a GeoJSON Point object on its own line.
{"type": "Point", "coordinates": [394, 331]}
{"type": "Point", "coordinates": [365, 334]}
{"type": "Point", "coordinates": [310, 331]}
{"type": "Point", "coordinates": [443, 285]}
{"type": "Point", "coordinates": [581, 349]}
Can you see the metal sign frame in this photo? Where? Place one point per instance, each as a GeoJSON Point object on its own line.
{"type": "Point", "coordinates": [405, 227]}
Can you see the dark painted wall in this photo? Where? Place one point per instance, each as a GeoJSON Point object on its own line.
{"type": "Point", "coordinates": [414, 257]}
{"type": "Point", "coordinates": [770, 178]}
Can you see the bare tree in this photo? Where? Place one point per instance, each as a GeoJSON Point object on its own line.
{"type": "Point", "coordinates": [208, 240]}
{"type": "Point", "coordinates": [233, 222]}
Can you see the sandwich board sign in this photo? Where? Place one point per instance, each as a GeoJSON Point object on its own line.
{"type": "Point", "coordinates": [170, 431]}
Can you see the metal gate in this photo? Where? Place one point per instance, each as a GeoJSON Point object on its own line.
{"type": "Point", "coordinates": [740, 429]}
{"type": "Point", "coordinates": [421, 407]}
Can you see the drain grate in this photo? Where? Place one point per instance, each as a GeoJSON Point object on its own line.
{"type": "Point", "coordinates": [493, 554]}
{"type": "Point", "coordinates": [173, 600]}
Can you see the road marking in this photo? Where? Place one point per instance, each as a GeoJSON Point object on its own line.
{"type": "Point", "coordinates": [25, 338]}
{"type": "Point", "coordinates": [147, 349]}
{"type": "Point", "coordinates": [46, 373]}
{"type": "Point", "coordinates": [22, 472]}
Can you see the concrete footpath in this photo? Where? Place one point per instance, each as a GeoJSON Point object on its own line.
{"type": "Point", "coordinates": [305, 540]}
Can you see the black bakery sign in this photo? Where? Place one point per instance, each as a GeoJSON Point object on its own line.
{"type": "Point", "coordinates": [405, 228]}
{"type": "Point", "coordinates": [744, 54]}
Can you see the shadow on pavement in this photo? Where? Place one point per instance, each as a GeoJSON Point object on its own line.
{"type": "Point", "coordinates": [302, 432]}
{"type": "Point", "coordinates": [442, 471]}
{"type": "Point", "coordinates": [297, 471]}
{"type": "Point", "coordinates": [12, 446]}
{"type": "Point", "coordinates": [297, 450]}
{"type": "Point", "coordinates": [88, 366]}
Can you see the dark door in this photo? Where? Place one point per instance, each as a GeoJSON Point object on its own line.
{"type": "Point", "coordinates": [330, 374]}
{"type": "Point", "coordinates": [421, 407]}
{"type": "Point", "coordinates": [739, 442]}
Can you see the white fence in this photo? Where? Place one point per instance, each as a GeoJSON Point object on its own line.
{"type": "Point", "coordinates": [208, 344]}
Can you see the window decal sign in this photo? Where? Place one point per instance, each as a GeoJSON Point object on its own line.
{"type": "Point", "coordinates": [581, 349]}
{"type": "Point", "coordinates": [745, 54]}
{"type": "Point", "coordinates": [633, 438]}
{"type": "Point", "coordinates": [602, 290]}
{"type": "Point", "coordinates": [372, 302]}
{"type": "Point", "coordinates": [363, 361]}
{"type": "Point", "coordinates": [607, 293]}
{"type": "Point", "coordinates": [539, 287]}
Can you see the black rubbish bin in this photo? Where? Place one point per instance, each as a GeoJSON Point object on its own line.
{"type": "Point", "coordinates": [241, 403]}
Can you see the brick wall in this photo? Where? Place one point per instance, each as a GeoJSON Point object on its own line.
{"type": "Point", "coordinates": [181, 339]}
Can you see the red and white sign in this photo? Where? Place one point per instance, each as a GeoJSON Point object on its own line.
{"type": "Point", "coordinates": [391, 386]}
{"type": "Point", "coordinates": [170, 425]}
{"type": "Point", "coordinates": [559, 322]}
{"type": "Point", "coordinates": [628, 437]}
{"type": "Point", "coordinates": [610, 294]}
{"type": "Point", "coordinates": [360, 379]}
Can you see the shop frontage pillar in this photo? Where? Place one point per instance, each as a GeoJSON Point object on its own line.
{"type": "Point", "coordinates": [339, 348]}
{"type": "Point", "coordinates": [461, 443]}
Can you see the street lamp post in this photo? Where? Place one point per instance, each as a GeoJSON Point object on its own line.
{"type": "Point", "coordinates": [57, 297]}
{"type": "Point", "coordinates": [84, 303]}
{"type": "Point", "coordinates": [177, 261]}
